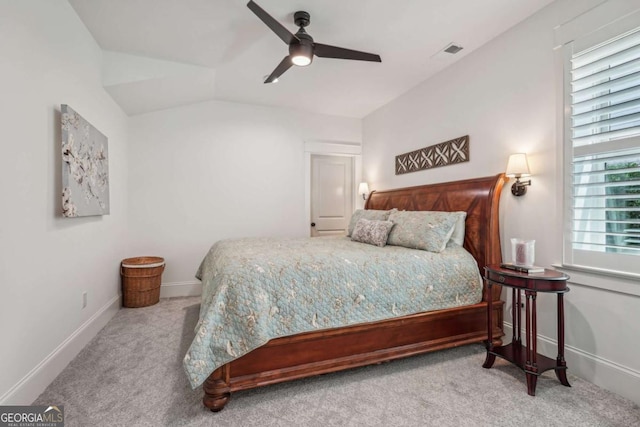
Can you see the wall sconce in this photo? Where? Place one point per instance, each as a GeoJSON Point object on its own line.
{"type": "Point", "coordinates": [518, 167]}
{"type": "Point", "coordinates": [363, 189]}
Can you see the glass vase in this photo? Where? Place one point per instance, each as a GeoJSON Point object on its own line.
{"type": "Point", "coordinates": [523, 252]}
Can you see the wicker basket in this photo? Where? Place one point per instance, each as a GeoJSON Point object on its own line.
{"type": "Point", "coordinates": [141, 277]}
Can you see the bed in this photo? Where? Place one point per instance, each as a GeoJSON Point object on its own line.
{"type": "Point", "coordinates": [328, 345]}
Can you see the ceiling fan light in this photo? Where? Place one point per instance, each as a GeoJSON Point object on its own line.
{"type": "Point", "coordinates": [301, 54]}
{"type": "Point", "coordinates": [301, 60]}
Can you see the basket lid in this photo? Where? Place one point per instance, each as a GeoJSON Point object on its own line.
{"type": "Point", "coordinates": [143, 262]}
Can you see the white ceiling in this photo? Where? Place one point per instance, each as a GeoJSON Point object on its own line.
{"type": "Point", "coordinates": [164, 53]}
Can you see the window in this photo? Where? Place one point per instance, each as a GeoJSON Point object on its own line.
{"type": "Point", "coordinates": [602, 155]}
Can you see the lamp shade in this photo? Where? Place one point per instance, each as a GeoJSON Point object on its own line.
{"type": "Point", "coordinates": [517, 166]}
{"type": "Point", "coordinates": [363, 188]}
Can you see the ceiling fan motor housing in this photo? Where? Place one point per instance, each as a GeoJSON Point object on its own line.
{"type": "Point", "coordinates": [301, 18]}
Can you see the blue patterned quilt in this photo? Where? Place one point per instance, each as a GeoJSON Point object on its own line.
{"type": "Point", "coordinates": [258, 289]}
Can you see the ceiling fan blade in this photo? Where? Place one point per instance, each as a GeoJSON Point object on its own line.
{"type": "Point", "coordinates": [283, 66]}
{"type": "Point", "coordinates": [326, 51]}
{"type": "Point", "coordinates": [274, 25]}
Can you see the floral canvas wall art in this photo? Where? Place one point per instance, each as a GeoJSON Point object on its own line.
{"type": "Point", "coordinates": [85, 167]}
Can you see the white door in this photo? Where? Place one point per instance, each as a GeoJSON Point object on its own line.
{"type": "Point", "coordinates": [331, 194]}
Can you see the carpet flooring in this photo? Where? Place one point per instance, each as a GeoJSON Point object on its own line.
{"type": "Point", "coordinates": [131, 374]}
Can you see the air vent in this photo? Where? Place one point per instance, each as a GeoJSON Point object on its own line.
{"type": "Point", "coordinates": [445, 54]}
{"type": "Point", "coordinates": [453, 48]}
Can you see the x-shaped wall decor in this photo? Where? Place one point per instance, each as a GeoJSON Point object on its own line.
{"type": "Point", "coordinates": [443, 154]}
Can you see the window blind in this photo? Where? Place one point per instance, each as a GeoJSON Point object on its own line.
{"type": "Point", "coordinates": [605, 141]}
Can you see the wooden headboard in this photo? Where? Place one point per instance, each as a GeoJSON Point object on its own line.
{"type": "Point", "coordinates": [479, 197]}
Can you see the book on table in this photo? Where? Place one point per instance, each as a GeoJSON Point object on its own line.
{"type": "Point", "coordinates": [529, 269]}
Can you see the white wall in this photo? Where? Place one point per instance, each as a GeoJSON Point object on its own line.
{"type": "Point", "coordinates": [504, 95]}
{"type": "Point", "coordinates": [219, 170]}
{"type": "Point", "coordinates": [47, 58]}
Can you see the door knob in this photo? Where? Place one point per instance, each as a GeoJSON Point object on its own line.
{"type": "Point", "coordinates": [313, 224]}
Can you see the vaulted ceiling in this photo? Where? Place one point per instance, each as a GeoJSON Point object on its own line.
{"type": "Point", "coordinates": [165, 53]}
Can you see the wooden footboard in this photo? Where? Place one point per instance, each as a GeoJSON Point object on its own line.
{"type": "Point", "coordinates": [331, 350]}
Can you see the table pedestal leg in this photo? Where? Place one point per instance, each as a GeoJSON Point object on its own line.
{"type": "Point", "coordinates": [562, 377]}
{"type": "Point", "coordinates": [491, 358]}
{"type": "Point", "coordinates": [531, 365]}
{"type": "Point", "coordinates": [514, 310]}
{"type": "Point", "coordinates": [531, 383]}
{"type": "Point", "coordinates": [518, 320]}
{"type": "Point", "coordinates": [561, 363]}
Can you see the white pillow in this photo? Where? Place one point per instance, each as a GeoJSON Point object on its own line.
{"type": "Point", "coordinates": [458, 230]}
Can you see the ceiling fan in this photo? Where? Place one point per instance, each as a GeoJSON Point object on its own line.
{"type": "Point", "coordinates": [301, 45]}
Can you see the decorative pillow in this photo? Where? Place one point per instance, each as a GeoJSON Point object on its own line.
{"type": "Point", "coordinates": [373, 232]}
{"type": "Point", "coordinates": [458, 229]}
{"type": "Point", "coordinates": [427, 230]}
{"type": "Point", "coordinates": [370, 214]}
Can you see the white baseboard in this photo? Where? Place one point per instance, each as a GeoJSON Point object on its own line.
{"type": "Point", "coordinates": [604, 373]}
{"type": "Point", "coordinates": [181, 289]}
{"type": "Point", "coordinates": [34, 383]}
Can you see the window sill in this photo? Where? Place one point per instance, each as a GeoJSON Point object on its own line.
{"type": "Point", "coordinates": [613, 281]}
